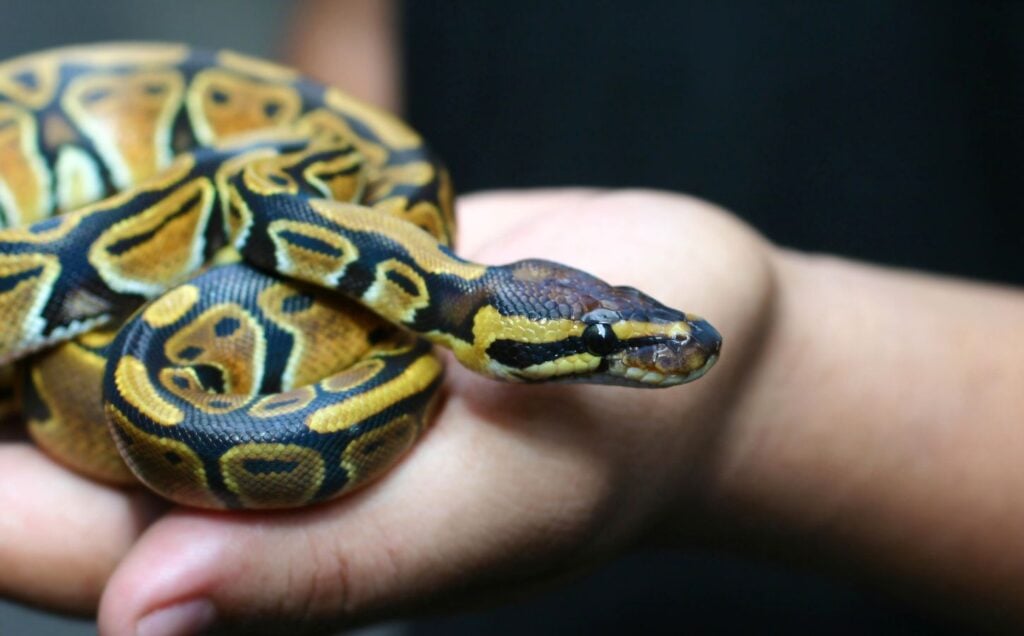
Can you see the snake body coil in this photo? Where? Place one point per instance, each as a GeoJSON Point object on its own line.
{"type": "Point", "coordinates": [252, 267]}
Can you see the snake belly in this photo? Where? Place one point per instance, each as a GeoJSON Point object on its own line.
{"type": "Point", "coordinates": [240, 273]}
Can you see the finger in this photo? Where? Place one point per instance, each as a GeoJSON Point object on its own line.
{"type": "Point", "coordinates": [61, 535]}
{"type": "Point", "coordinates": [486, 218]}
{"type": "Point", "coordinates": [616, 233]}
{"type": "Point", "coordinates": [475, 503]}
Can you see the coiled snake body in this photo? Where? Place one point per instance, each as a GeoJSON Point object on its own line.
{"type": "Point", "coordinates": [252, 267]}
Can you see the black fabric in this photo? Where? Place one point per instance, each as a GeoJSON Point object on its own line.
{"type": "Point", "coordinates": [886, 131]}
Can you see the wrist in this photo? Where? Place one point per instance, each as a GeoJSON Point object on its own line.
{"type": "Point", "coordinates": [877, 430]}
{"type": "Point", "coordinates": [710, 416]}
{"type": "Point", "coordinates": [784, 459]}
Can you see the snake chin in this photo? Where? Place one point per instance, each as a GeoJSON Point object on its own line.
{"type": "Point", "coordinates": [667, 361]}
{"type": "Point", "coordinates": [647, 378]}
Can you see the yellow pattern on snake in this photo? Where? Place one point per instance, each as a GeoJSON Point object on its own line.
{"type": "Point", "coordinates": [240, 274]}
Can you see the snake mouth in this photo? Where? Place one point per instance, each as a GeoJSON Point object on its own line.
{"type": "Point", "coordinates": [659, 362]}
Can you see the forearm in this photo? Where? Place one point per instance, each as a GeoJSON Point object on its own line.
{"type": "Point", "coordinates": [882, 421]}
{"type": "Point", "coordinates": [351, 44]}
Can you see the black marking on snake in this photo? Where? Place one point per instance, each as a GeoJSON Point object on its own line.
{"type": "Point", "coordinates": [410, 156]}
{"type": "Point", "coordinates": [403, 281]}
{"type": "Point", "coordinates": [279, 180]}
{"type": "Point", "coordinates": [226, 326]}
{"type": "Point", "coordinates": [125, 439]}
{"type": "Point", "coordinates": [269, 466]}
{"type": "Point", "coordinates": [45, 225]}
{"type": "Point", "coordinates": [327, 176]}
{"type": "Point", "coordinates": [519, 355]}
{"type": "Point", "coordinates": [296, 303]}
{"type": "Point", "coordinates": [642, 341]}
{"type": "Point", "coordinates": [280, 404]}
{"type": "Point", "coordinates": [7, 283]}
{"type": "Point", "coordinates": [271, 108]}
{"type": "Point", "coordinates": [314, 158]}
{"type": "Point", "coordinates": [219, 97]}
{"type": "Point", "coordinates": [33, 408]}
{"type": "Point", "coordinates": [455, 303]}
{"type": "Point", "coordinates": [190, 353]}
{"type": "Point", "coordinates": [172, 458]}
{"type": "Point", "coordinates": [310, 243]}
{"type": "Point", "coordinates": [180, 382]}
{"type": "Point", "coordinates": [372, 447]}
{"type": "Point", "coordinates": [126, 244]}
{"type": "Point", "coordinates": [94, 95]}
{"type": "Point", "coordinates": [210, 378]}
{"type": "Point", "coordinates": [378, 334]}
{"type": "Point", "coordinates": [27, 79]}
{"type": "Point", "coordinates": [219, 404]}
{"type": "Point", "coordinates": [182, 137]}
{"type": "Point", "coordinates": [361, 129]}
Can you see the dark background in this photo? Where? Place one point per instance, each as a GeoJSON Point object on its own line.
{"type": "Point", "coordinates": [891, 132]}
{"type": "Point", "coordinates": [884, 131]}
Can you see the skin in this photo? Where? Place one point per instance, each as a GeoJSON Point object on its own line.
{"type": "Point", "coordinates": [908, 483]}
{"type": "Point", "coordinates": [361, 32]}
{"type": "Point", "coordinates": [862, 421]}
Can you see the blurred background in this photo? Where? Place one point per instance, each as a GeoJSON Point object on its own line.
{"type": "Point", "coordinates": [890, 132]}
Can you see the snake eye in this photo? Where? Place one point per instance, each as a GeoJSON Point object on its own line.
{"type": "Point", "coordinates": [599, 339]}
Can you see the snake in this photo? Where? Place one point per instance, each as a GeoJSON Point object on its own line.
{"type": "Point", "coordinates": [226, 281]}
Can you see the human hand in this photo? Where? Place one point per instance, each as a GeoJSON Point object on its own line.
{"type": "Point", "coordinates": [513, 484]}
{"type": "Point", "coordinates": [61, 534]}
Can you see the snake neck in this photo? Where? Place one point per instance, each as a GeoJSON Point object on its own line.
{"type": "Point", "coordinates": [392, 267]}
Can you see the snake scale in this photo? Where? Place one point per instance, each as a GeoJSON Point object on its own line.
{"type": "Point", "coordinates": [224, 280]}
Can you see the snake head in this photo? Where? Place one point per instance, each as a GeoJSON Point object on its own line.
{"type": "Point", "coordinates": [663, 347]}
{"type": "Point", "coordinates": [565, 324]}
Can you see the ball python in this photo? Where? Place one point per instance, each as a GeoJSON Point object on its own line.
{"type": "Point", "coordinates": [224, 280]}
